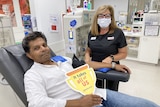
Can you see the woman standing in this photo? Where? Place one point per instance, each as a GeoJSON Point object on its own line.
{"type": "Point", "coordinates": [106, 42]}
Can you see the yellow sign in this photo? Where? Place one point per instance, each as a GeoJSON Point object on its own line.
{"type": "Point", "coordinates": [82, 79]}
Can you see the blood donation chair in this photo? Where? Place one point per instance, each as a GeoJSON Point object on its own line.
{"type": "Point", "coordinates": [14, 63]}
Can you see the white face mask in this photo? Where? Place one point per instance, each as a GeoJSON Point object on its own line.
{"type": "Point", "coordinates": [104, 22]}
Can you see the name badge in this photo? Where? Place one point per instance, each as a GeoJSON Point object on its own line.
{"type": "Point", "coordinates": [93, 38]}
{"type": "Point", "coordinates": [110, 38]}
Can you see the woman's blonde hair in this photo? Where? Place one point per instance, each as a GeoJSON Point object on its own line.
{"type": "Point", "coordinates": [95, 29]}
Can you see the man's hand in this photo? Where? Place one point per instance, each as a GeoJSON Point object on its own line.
{"type": "Point", "coordinates": [86, 101]}
{"type": "Point", "coordinates": [122, 68]}
{"type": "Point", "coordinates": [90, 100]}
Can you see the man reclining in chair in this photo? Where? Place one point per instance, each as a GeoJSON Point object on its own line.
{"type": "Point", "coordinates": [45, 84]}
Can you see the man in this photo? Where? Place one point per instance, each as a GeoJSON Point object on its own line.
{"type": "Point", "coordinates": [45, 84]}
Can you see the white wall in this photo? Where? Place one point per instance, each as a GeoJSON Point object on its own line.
{"type": "Point", "coordinates": [42, 9]}
{"type": "Point", "coordinates": [118, 5]}
{"type": "Point", "coordinates": [19, 29]}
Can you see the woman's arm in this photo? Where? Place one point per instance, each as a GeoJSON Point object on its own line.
{"type": "Point", "coordinates": [118, 67]}
{"type": "Point", "coordinates": [87, 55]}
{"type": "Point", "coordinates": [94, 64]}
{"type": "Point", "coordinates": [97, 65]}
{"type": "Point", "coordinates": [122, 54]}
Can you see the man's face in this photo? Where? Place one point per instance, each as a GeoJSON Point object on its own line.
{"type": "Point", "coordinates": [39, 51]}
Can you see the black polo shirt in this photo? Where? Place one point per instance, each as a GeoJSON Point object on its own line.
{"type": "Point", "coordinates": [105, 45]}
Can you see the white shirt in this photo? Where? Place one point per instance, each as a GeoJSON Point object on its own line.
{"type": "Point", "coordinates": [45, 85]}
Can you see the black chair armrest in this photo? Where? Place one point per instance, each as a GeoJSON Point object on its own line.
{"type": "Point", "coordinates": [113, 75]}
{"type": "Point", "coordinates": [110, 75]}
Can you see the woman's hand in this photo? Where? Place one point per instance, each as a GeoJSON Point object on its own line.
{"type": "Point", "coordinates": [107, 60]}
{"type": "Point", "coordinates": [122, 68]}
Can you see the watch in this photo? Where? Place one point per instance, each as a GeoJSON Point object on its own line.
{"type": "Point", "coordinates": [112, 57]}
{"type": "Point", "coordinates": [113, 65]}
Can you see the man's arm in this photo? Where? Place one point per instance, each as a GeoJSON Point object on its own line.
{"type": "Point", "coordinates": [37, 96]}
{"type": "Point", "coordinates": [36, 92]}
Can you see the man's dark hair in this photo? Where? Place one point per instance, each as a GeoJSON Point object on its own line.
{"type": "Point", "coordinates": [30, 37]}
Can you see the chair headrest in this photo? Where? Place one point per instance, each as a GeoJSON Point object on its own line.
{"type": "Point", "coordinates": [18, 52]}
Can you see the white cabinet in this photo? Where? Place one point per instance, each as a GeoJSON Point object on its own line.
{"type": "Point", "coordinates": [149, 49]}
{"type": "Point", "coordinates": [133, 46]}
{"type": "Point", "coordinates": [143, 48]}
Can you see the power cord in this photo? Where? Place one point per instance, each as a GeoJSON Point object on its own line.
{"type": "Point", "coordinates": [3, 81]}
